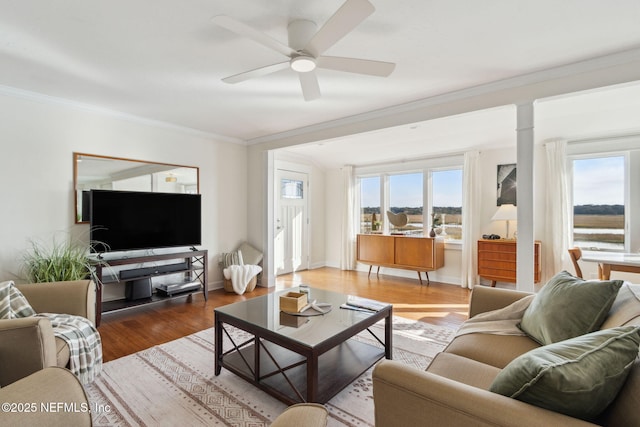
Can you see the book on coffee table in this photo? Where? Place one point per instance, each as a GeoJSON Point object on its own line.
{"type": "Point", "coordinates": [355, 302]}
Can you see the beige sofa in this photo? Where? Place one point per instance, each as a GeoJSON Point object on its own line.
{"type": "Point", "coordinates": [454, 389]}
{"type": "Point", "coordinates": [28, 345]}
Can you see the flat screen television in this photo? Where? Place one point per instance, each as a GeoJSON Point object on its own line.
{"type": "Point", "coordinates": [127, 220]}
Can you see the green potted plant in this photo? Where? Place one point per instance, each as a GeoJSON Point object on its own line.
{"type": "Point", "coordinates": [59, 261]}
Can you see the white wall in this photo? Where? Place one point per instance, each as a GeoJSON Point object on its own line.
{"type": "Point", "coordinates": [36, 164]}
{"type": "Point", "coordinates": [334, 197]}
{"type": "Point", "coordinates": [259, 188]}
{"type": "Point", "coordinates": [319, 217]}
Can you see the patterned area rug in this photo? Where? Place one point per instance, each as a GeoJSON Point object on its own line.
{"type": "Point", "coordinates": [174, 384]}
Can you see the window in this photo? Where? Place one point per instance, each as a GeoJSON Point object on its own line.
{"type": "Point", "coordinates": [406, 196]}
{"type": "Point", "coordinates": [291, 189]}
{"type": "Point", "coordinates": [599, 202]}
{"type": "Point", "coordinates": [370, 219]}
{"type": "Point", "coordinates": [447, 201]}
{"type": "Point", "coordinates": [409, 192]}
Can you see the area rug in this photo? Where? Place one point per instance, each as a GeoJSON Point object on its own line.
{"type": "Point", "coordinates": [174, 384]}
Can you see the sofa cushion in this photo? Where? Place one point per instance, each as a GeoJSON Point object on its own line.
{"type": "Point", "coordinates": [568, 307]}
{"type": "Point", "coordinates": [63, 353]}
{"type": "Point", "coordinates": [578, 377]}
{"type": "Point", "coordinates": [494, 350]}
{"type": "Point", "coordinates": [463, 370]}
{"type": "Point", "coordinates": [625, 309]}
{"type": "Point", "coordinates": [624, 410]}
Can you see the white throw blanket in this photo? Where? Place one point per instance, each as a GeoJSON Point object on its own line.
{"type": "Point", "coordinates": [503, 321]}
{"type": "Point", "coordinates": [85, 345]}
{"type": "Point", "coordinates": [240, 276]}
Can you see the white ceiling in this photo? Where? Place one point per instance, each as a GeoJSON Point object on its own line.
{"type": "Point", "coordinates": [485, 129]}
{"type": "Point", "coordinates": [164, 59]}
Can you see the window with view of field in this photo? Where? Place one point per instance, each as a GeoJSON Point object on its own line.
{"type": "Point", "coordinates": [405, 193]}
{"type": "Point", "coordinates": [599, 203]}
{"type": "Point", "coordinates": [447, 201]}
{"type": "Point", "coordinates": [370, 204]}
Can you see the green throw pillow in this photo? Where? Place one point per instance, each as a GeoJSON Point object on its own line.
{"type": "Point", "coordinates": [568, 307]}
{"type": "Point", "coordinates": [579, 377]}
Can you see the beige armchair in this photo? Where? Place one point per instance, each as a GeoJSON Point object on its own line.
{"type": "Point", "coordinates": [49, 397]}
{"type": "Point", "coordinates": [303, 415]}
{"type": "Point", "coordinates": [28, 345]}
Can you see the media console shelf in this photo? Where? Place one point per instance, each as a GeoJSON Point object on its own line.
{"type": "Point", "coordinates": [192, 265]}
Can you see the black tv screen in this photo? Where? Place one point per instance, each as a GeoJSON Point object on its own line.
{"type": "Point", "coordinates": [126, 220]}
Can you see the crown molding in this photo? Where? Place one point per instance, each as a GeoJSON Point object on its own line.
{"type": "Point", "coordinates": [54, 100]}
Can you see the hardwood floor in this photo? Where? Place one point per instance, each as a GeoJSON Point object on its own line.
{"type": "Point", "coordinates": [127, 332]}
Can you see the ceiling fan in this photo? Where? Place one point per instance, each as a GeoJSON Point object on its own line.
{"type": "Point", "coordinates": [305, 47]}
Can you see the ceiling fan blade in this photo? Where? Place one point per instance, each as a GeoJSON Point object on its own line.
{"type": "Point", "coordinates": [258, 72]}
{"type": "Point", "coordinates": [350, 14]}
{"type": "Point", "coordinates": [309, 84]}
{"type": "Point", "coordinates": [244, 30]}
{"type": "Point", "coordinates": [354, 65]}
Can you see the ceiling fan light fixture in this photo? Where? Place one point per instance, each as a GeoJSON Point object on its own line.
{"type": "Point", "coordinates": [303, 64]}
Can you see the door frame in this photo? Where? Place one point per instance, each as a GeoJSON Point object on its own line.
{"type": "Point", "coordinates": [298, 168]}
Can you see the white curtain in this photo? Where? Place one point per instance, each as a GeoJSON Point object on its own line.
{"type": "Point", "coordinates": [558, 211]}
{"type": "Point", "coordinates": [348, 242]}
{"type": "Point", "coordinates": [471, 193]}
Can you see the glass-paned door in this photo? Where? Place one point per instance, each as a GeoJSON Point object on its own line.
{"type": "Point", "coordinates": [291, 228]}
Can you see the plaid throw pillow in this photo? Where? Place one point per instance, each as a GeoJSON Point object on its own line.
{"type": "Point", "coordinates": [231, 258]}
{"type": "Point", "coordinates": [13, 304]}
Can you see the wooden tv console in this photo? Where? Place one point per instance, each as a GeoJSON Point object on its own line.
{"type": "Point", "coordinates": [192, 265]}
{"type": "Point", "coordinates": [421, 254]}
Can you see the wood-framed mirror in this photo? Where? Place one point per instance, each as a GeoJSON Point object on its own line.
{"type": "Point", "coordinates": [93, 172]}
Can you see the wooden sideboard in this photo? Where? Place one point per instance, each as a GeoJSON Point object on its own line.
{"type": "Point", "coordinates": [421, 254]}
{"type": "Point", "coordinates": [497, 260]}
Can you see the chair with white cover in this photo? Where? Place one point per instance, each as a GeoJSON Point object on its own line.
{"type": "Point", "coordinates": [241, 269]}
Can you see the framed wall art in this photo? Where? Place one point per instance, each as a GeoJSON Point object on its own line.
{"type": "Point", "coordinates": [506, 185]}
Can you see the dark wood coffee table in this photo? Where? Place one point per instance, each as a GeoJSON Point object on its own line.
{"type": "Point", "coordinates": [311, 359]}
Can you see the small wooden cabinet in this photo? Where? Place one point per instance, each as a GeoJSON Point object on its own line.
{"type": "Point", "coordinates": [497, 260]}
{"type": "Point", "coordinates": [421, 254]}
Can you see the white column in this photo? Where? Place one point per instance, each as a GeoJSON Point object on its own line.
{"type": "Point", "coordinates": [268, 262]}
{"type": "Point", "coordinates": [525, 259]}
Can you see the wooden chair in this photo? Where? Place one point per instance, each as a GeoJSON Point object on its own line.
{"type": "Point", "coordinates": [575, 254]}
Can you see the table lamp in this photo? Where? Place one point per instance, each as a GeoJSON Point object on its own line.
{"type": "Point", "coordinates": [506, 212]}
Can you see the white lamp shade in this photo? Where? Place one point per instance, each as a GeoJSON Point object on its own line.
{"type": "Point", "coordinates": [506, 212]}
